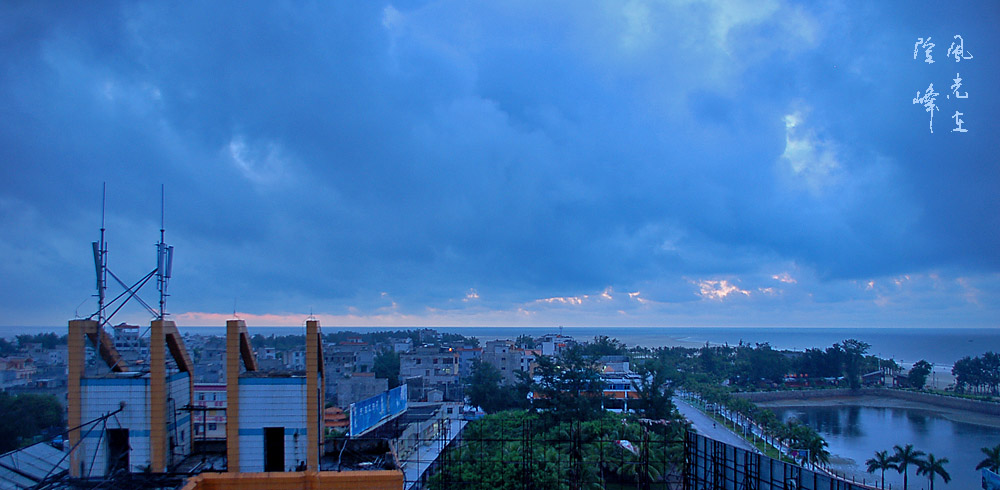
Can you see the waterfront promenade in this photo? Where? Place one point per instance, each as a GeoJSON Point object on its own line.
{"type": "Point", "coordinates": [709, 428]}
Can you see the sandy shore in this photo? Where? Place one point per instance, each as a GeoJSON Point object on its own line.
{"type": "Point", "coordinates": [954, 415]}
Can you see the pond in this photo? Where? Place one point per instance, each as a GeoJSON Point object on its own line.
{"type": "Point", "coordinates": [856, 428]}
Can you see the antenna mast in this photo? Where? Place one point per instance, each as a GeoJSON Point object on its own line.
{"type": "Point", "coordinates": [164, 263]}
{"type": "Point", "coordinates": [101, 260]}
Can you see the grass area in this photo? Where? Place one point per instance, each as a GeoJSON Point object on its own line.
{"type": "Point", "coordinates": [967, 396]}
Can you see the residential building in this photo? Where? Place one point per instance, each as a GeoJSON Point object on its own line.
{"type": "Point", "coordinates": [359, 386]}
{"type": "Point", "coordinates": [505, 357]}
{"type": "Point", "coordinates": [210, 415]}
{"type": "Point", "coordinates": [437, 368]}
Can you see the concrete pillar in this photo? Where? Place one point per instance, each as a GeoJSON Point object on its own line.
{"type": "Point", "coordinates": [233, 328]}
{"type": "Point", "coordinates": [158, 395]}
{"type": "Point", "coordinates": [76, 361]}
{"type": "Point", "coordinates": [313, 395]}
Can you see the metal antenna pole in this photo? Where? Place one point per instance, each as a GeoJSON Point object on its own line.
{"type": "Point", "coordinates": [101, 259]}
{"type": "Point", "coordinates": [160, 260]}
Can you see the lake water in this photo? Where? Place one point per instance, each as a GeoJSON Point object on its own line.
{"type": "Point", "coordinates": [855, 431]}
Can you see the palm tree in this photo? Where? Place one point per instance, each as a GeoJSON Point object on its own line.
{"type": "Point", "coordinates": [932, 466]}
{"type": "Point", "coordinates": [992, 461]}
{"type": "Point", "coordinates": [904, 457]}
{"type": "Point", "coordinates": [882, 461]}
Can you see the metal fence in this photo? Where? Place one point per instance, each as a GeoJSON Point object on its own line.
{"type": "Point", "coordinates": [714, 465]}
{"type": "Point", "coordinates": [526, 454]}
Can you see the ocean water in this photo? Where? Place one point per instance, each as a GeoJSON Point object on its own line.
{"type": "Point", "coordinates": [940, 346]}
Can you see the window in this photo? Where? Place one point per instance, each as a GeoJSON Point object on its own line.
{"type": "Point", "coordinates": [435, 360]}
{"type": "Point", "coordinates": [201, 396]}
{"type": "Point", "coordinates": [212, 426]}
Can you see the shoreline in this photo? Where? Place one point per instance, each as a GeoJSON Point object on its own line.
{"type": "Point", "coordinates": [876, 401]}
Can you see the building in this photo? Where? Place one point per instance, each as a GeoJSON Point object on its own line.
{"type": "Point", "coordinates": [20, 370]}
{"type": "Point", "coordinates": [151, 431]}
{"type": "Point", "coordinates": [431, 367]}
{"type": "Point", "coordinates": [210, 414]}
{"type": "Point", "coordinates": [401, 345]}
{"type": "Point", "coordinates": [529, 360]}
{"type": "Point", "coordinates": [466, 356]}
{"type": "Point", "coordinates": [359, 386]}
{"type": "Point", "coordinates": [130, 344]}
{"type": "Point", "coordinates": [273, 423]}
{"type": "Point", "coordinates": [555, 344]}
{"type": "Point", "coordinates": [505, 357]}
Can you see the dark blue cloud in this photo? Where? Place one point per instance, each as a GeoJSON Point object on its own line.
{"type": "Point", "coordinates": [318, 156]}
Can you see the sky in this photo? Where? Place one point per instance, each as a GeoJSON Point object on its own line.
{"type": "Point", "coordinates": [454, 163]}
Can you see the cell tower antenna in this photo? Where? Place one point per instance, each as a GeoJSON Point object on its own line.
{"type": "Point", "coordinates": [101, 259]}
{"type": "Point", "coordinates": [164, 262]}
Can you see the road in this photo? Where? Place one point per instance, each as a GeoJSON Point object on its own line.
{"type": "Point", "coordinates": [709, 428]}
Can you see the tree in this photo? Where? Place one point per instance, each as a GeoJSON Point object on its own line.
{"type": "Point", "coordinates": [654, 394]}
{"type": "Point", "coordinates": [484, 387]}
{"type": "Point", "coordinates": [979, 374]}
{"type": "Point", "coordinates": [47, 340]}
{"type": "Point", "coordinates": [933, 466]}
{"type": "Point", "coordinates": [904, 457]}
{"type": "Point", "coordinates": [854, 353]}
{"type": "Point", "coordinates": [992, 460]}
{"type": "Point", "coordinates": [918, 374]}
{"type": "Point", "coordinates": [804, 437]}
{"type": "Point", "coordinates": [525, 341]}
{"type": "Point", "coordinates": [387, 366]}
{"type": "Point", "coordinates": [761, 364]}
{"type": "Point", "coordinates": [604, 346]}
{"type": "Point", "coordinates": [881, 462]}
{"type": "Point", "coordinates": [570, 388]}
{"type": "Point", "coordinates": [6, 347]}
{"type": "Point", "coordinates": [26, 416]}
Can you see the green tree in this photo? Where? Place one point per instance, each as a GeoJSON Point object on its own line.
{"type": "Point", "coordinates": [992, 459]}
{"type": "Point", "coordinates": [604, 346]}
{"type": "Point", "coordinates": [804, 437]}
{"type": "Point", "coordinates": [761, 364]}
{"type": "Point", "coordinates": [654, 393]}
{"type": "Point", "coordinates": [387, 366]}
{"type": "Point", "coordinates": [881, 462]}
{"type": "Point", "coordinates": [917, 376]}
{"type": "Point", "coordinates": [854, 353]}
{"type": "Point", "coordinates": [26, 416]}
{"type": "Point", "coordinates": [933, 466]}
{"type": "Point", "coordinates": [6, 347]}
{"type": "Point", "coordinates": [525, 341]}
{"type": "Point", "coordinates": [570, 388]}
{"type": "Point", "coordinates": [484, 387]}
{"type": "Point", "coordinates": [904, 457]}
{"type": "Point", "coordinates": [47, 340]}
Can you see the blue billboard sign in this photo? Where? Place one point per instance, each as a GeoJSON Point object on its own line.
{"type": "Point", "coordinates": [396, 400]}
{"type": "Point", "coordinates": [370, 412]}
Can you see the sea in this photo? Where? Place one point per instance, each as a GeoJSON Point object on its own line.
{"type": "Point", "coordinates": [939, 346]}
